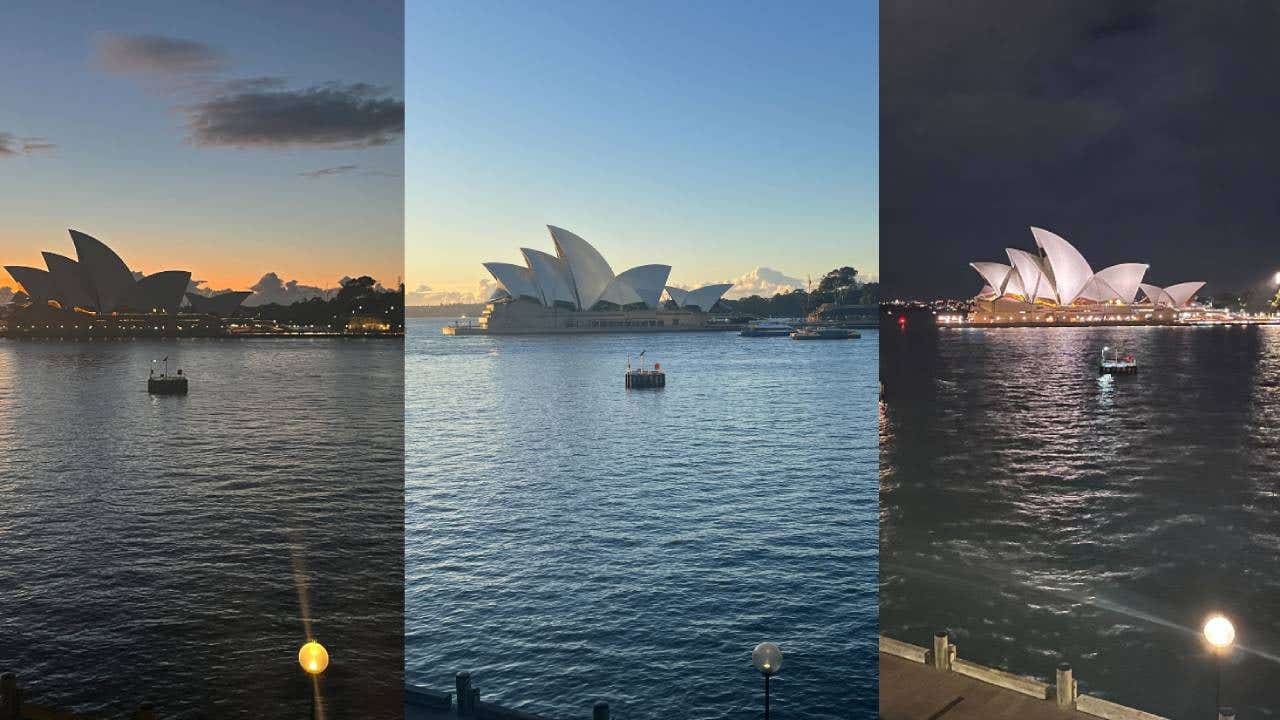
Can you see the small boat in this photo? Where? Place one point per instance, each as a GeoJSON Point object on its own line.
{"type": "Point", "coordinates": [825, 333]}
{"type": "Point", "coordinates": [1116, 364]}
{"type": "Point", "coordinates": [767, 328]}
{"type": "Point", "coordinates": [164, 383]}
{"type": "Point", "coordinates": [645, 378]}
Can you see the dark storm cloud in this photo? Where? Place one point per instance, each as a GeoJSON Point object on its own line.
{"type": "Point", "coordinates": [11, 145]}
{"type": "Point", "coordinates": [157, 54]}
{"type": "Point", "coordinates": [330, 115]}
{"type": "Point", "coordinates": [1139, 131]}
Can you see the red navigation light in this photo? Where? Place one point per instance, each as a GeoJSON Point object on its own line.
{"type": "Point", "coordinates": [902, 321]}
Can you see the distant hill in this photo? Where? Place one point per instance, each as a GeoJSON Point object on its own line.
{"type": "Point", "coordinates": [450, 310]}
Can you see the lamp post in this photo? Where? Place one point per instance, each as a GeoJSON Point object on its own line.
{"type": "Point", "coordinates": [314, 659]}
{"type": "Point", "coordinates": [1220, 633]}
{"type": "Point", "coordinates": [767, 658]}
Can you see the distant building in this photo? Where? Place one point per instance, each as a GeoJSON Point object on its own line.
{"type": "Point", "coordinates": [360, 324]}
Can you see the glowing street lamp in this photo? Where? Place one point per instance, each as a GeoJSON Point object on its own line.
{"type": "Point", "coordinates": [767, 658]}
{"type": "Point", "coordinates": [314, 659]}
{"type": "Point", "coordinates": [1220, 634]}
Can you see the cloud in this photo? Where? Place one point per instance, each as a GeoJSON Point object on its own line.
{"type": "Point", "coordinates": [157, 55]}
{"type": "Point", "coordinates": [271, 289]}
{"type": "Point", "coordinates": [331, 115]}
{"type": "Point", "coordinates": [763, 281]}
{"type": "Point", "coordinates": [425, 295]}
{"type": "Point", "coordinates": [12, 145]}
{"type": "Point", "coordinates": [6, 295]}
{"type": "Point", "coordinates": [326, 172]}
{"type": "Point", "coordinates": [254, 112]}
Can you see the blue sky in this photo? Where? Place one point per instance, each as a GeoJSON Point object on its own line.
{"type": "Point", "coordinates": [716, 137]}
{"type": "Point", "coordinates": [124, 167]}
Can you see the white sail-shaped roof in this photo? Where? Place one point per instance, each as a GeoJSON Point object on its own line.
{"type": "Point", "coordinates": [647, 281]}
{"type": "Point", "coordinates": [551, 276]}
{"type": "Point", "coordinates": [705, 298]}
{"type": "Point", "coordinates": [515, 279]}
{"type": "Point", "coordinates": [1156, 295]}
{"type": "Point", "coordinates": [161, 291]}
{"type": "Point", "coordinates": [620, 293]}
{"type": "Point", "coordinates": [590, 272]}
{"type": "Point", "coordinates": [1013, 286]}
{"type": "Point", "coordinates": [107, 279]}
{"type": "Point", "coordinates": [995, 274]}
{"type": "Point", "coordinates": [1123, 279]}
{"type": "Point", "coordinates": [1182, 293]}
{"type": "Point", "coordinates": [1098, 291]}
{"type": "Point", "coordinates": [1035, 284]}
{"type": "Point", "coordinates": [677, 295]}
{"type": "Point", "coordinates": [1068, 269]}
{"type": "Point", "coordinates": [36, 283]}
{"type": "Point", "coordinates": [68, 282]}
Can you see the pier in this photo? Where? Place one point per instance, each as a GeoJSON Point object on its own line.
{"type": "Point", "coordinates": [424, 704]}
{"type": "Point", "coordinates": [933, 683]}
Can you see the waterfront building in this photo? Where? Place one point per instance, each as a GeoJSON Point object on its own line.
{"type": "Point", "coordinates": [576, 291]}
{"type": "Point", "coordinates": [1056, 285]}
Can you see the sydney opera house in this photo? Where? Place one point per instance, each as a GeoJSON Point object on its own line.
{"type": "Point", "coordinates": [576, 291]}
{"type": "Point", "coordinates": [98, 293]}
{"type": "Point", "coordinates": [1056, 285]}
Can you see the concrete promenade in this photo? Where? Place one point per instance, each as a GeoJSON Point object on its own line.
{"type": "Point", "coordinates": [918, 683]}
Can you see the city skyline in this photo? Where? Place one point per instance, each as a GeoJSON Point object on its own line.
{"type": "Point", "coordinates": [730, 149]}
{"type": "Point", "coordinates": [245, 142]}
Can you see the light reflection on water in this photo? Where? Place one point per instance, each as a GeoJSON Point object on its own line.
{"type": "Point", "coordinates": [1043, 515]}
{"type": "Point", "coordinates": [148, 544]}
{"type": "Point", "coordinates": [568, 540]}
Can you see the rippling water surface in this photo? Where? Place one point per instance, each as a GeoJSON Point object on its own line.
{"type": "Point", "coordinates": [1042, 515]}
{"type": "Point", "coordinates": [568, 540]}
{"type": "Point", "coordinates": [151, 548]}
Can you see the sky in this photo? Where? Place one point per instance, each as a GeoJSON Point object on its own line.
{"type": "Point", "coordinates": [730, 140]}
{"type": "Point", "coordinates": [233, 139]}
{"type": "Point", "coordinates": [1140, 132]}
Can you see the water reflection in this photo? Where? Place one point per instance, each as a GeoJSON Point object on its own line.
{"type": "Point", "coordinates": [1043, 514]}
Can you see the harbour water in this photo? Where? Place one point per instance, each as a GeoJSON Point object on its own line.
{"type": "Point", "coordinates": [156, 548]}
{"type": "Point", "coordinates": [568, 540]}
{"type": "Point", "coordinates": [1044, 515]}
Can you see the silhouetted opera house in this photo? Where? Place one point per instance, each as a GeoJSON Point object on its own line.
{"type": "Point", "coordinates": [98, 295]}
{"type": "Point", "coordinates": [575, 291]}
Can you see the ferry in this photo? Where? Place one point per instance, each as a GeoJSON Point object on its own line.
{"type": "Point", "coordinates": [767, 328]}
{"type": "Point", "coordinates": [825, 333]}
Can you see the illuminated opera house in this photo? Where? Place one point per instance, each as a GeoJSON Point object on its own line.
{"type": "Point", "coordinates": [575, 291]}
{"type": "Point", "coordinates": [97, 293]}
{"type": "Point", "coordinates": [1056, 285]}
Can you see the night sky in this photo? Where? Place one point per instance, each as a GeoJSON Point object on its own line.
{"type": "Point", "coordinates": [1144, 132]}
